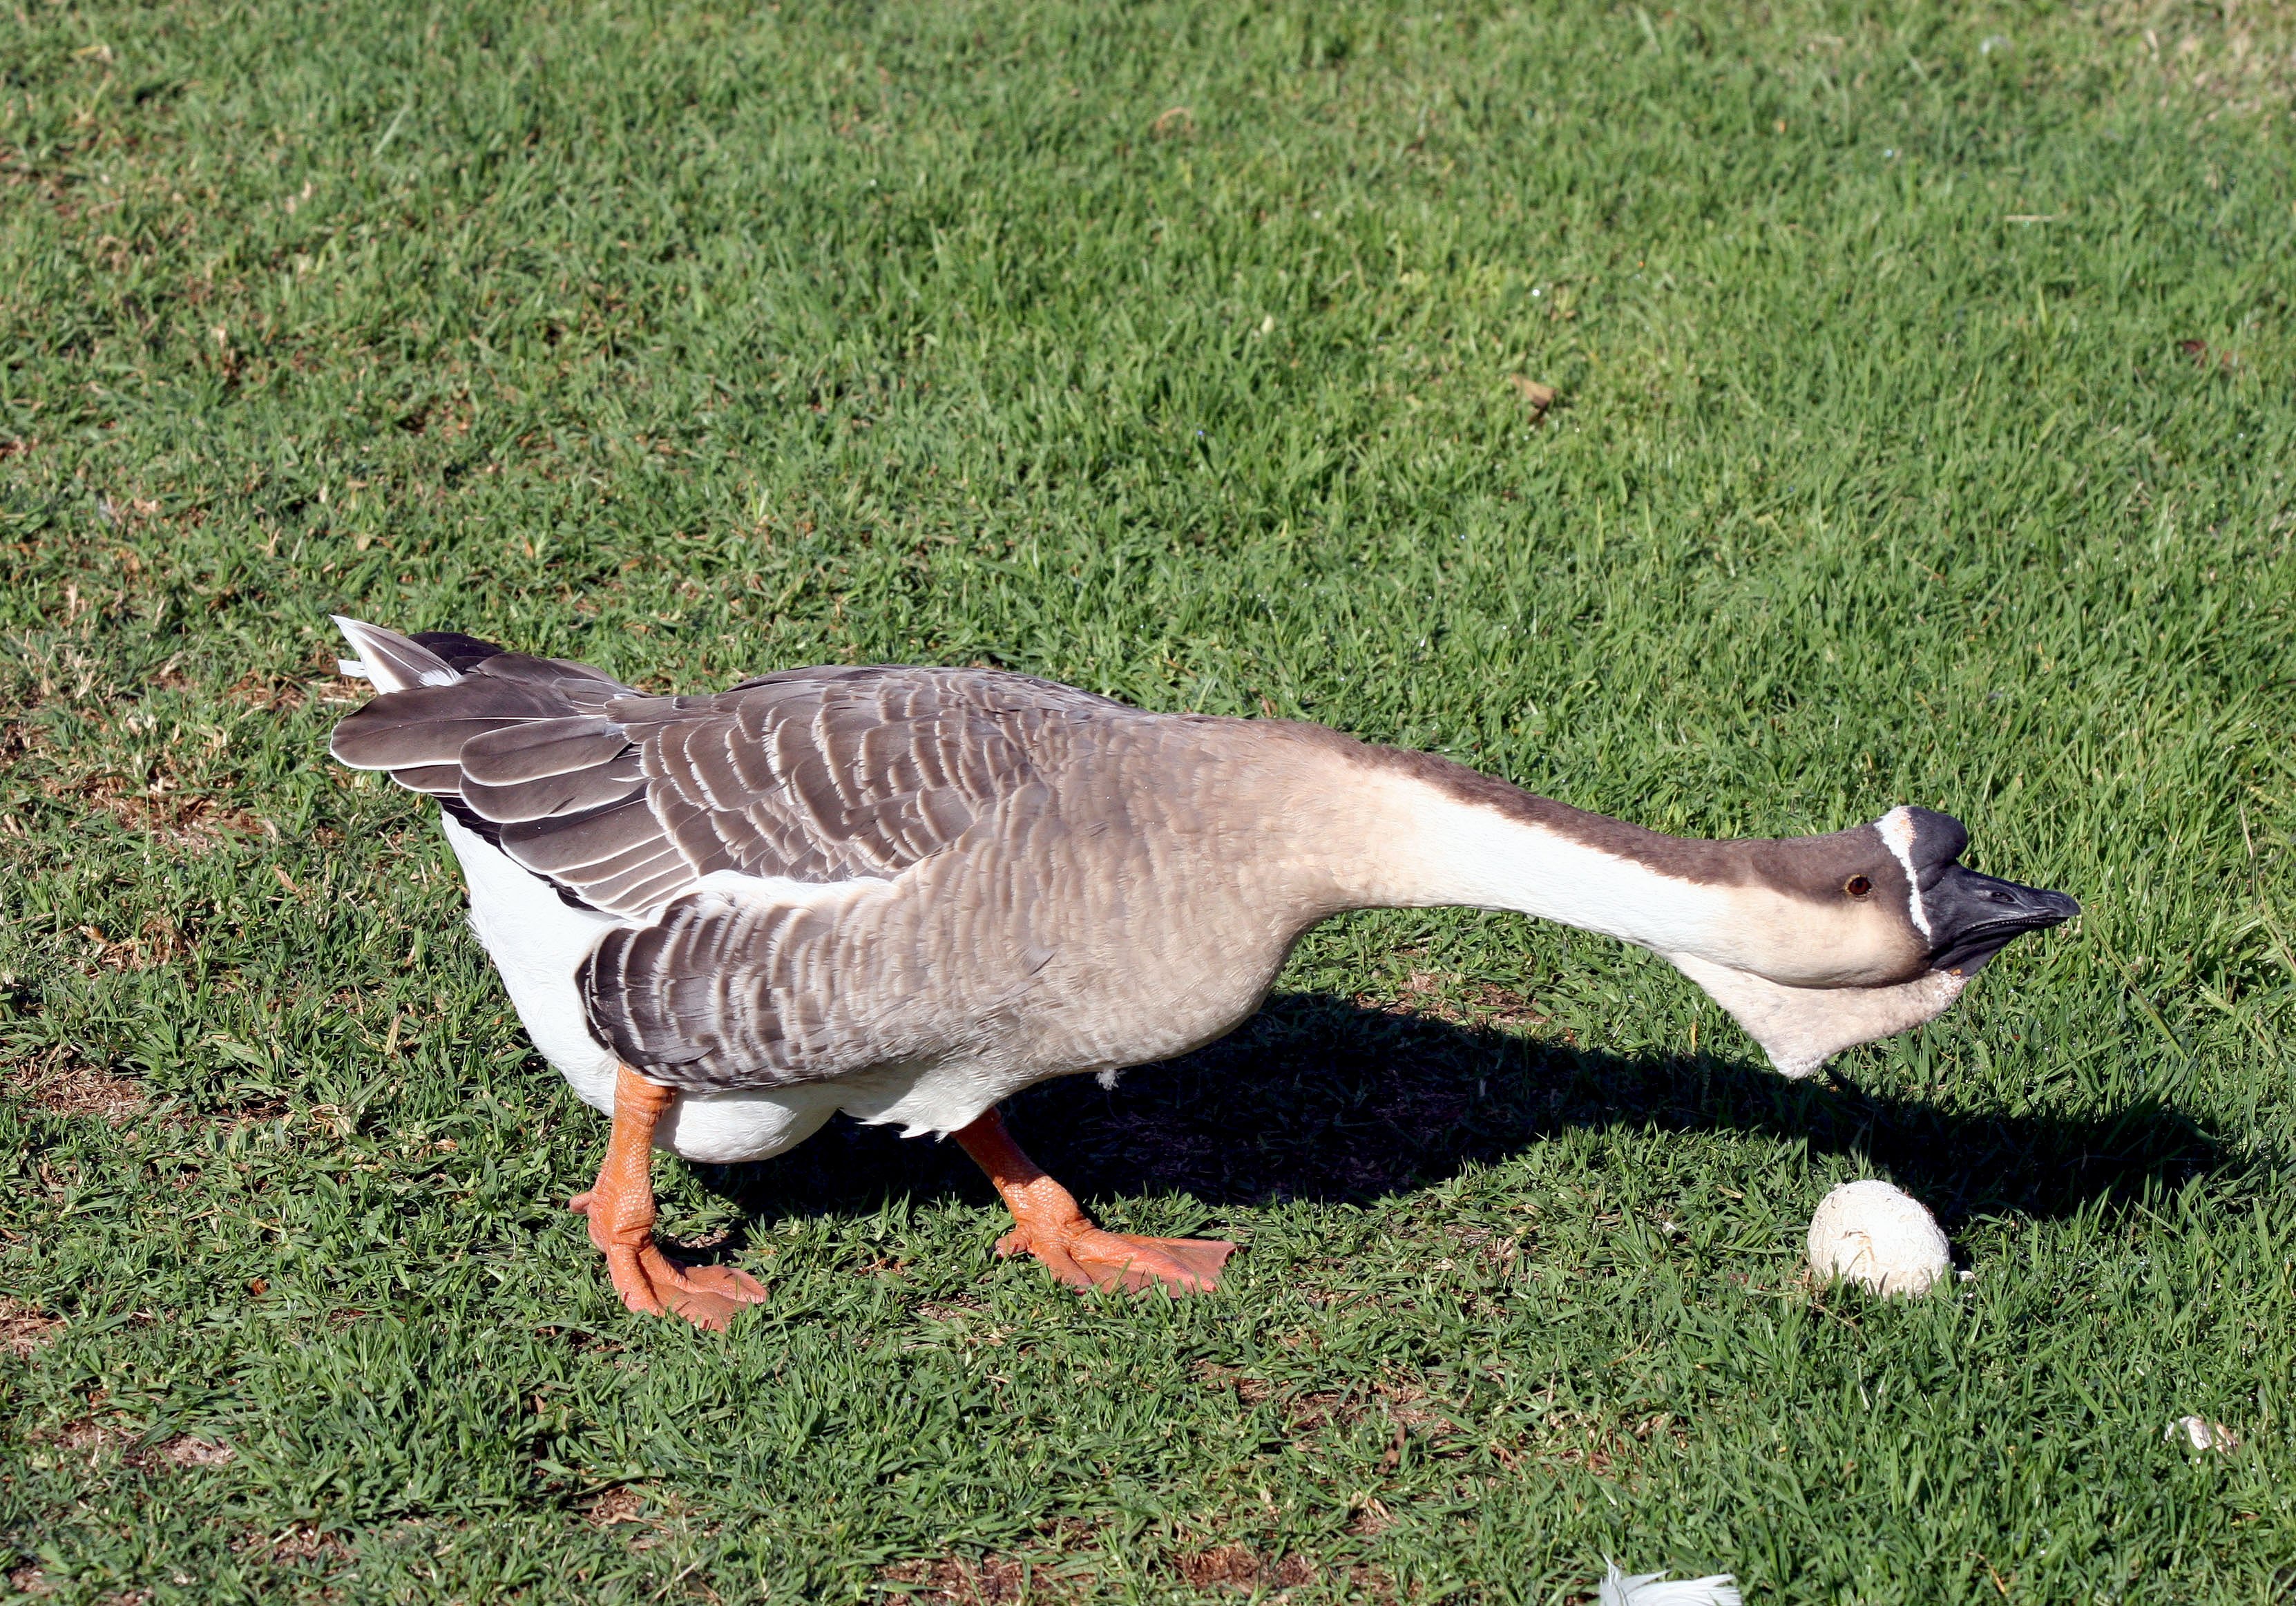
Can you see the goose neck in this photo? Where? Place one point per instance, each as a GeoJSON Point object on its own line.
{"type": "Point", "coordinates": [1441, 841]}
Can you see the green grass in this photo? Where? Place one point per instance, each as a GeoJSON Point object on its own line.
{"type": "Point", "coordinates": [1169, 351]}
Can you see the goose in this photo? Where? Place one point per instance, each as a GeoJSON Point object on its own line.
{"type": "Point", "coordinates": [908, 893]}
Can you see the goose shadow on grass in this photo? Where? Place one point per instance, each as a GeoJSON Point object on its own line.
{"type": "Point", "coordinates": [1324, 1099]}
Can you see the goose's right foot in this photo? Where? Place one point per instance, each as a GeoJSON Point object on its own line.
{"type": "Point", "coordinates": [1049, 1225]}
{"type": "Point", "coordinates": [622, 1212]}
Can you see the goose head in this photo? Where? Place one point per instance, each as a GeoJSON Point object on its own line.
{"type": "Point", "coordinates": [1962, 918]}
{"type": "Point", "coordinates": [1854, 935]}
{"type": "Point", "coordinates": [1812, 944]}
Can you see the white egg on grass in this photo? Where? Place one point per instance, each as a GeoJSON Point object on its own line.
{"type": "Point", "coordinates": [1879, 1237]}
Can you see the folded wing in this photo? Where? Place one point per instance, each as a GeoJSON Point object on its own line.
{"type": "Point", "coordinates": [625, 801]}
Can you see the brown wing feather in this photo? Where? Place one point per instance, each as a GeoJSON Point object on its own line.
{"type": "Point", "coordinates": [719, 994]}
{"type": "Point", "coordinates": [624, 800]}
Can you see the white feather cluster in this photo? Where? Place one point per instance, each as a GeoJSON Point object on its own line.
{"type": "Point", "coordinates": [1878, 1237]}
{"type": "Point", "coordinates": [1651, 1589]}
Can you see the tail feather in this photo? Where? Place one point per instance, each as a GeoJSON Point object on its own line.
{"type": "Point", "coordinates": [429, 723]}
{"type": "Point", "coordinates": [392, 661]}
{"type": "Point", "coordinates": [498, 737]}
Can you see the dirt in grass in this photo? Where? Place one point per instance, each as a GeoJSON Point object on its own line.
{"type": "Point", "coordinates": [615, 1507]}
{"type": "Point", "coordinates": [1316, 1411]}
{"type": "Point", "coordinates": [182, 822]}
{"type": "Point", "coordinates": [98, 1437]}
{"type": "Point", "coordinates": [159, 798]}
{"type": "Point", "coordinates": [185, 1450]}
{"type": "Point", "coordinates": [1243, 1567]}
{"type": "Point", "coordinates": [90, 1437]}
{"type": "Point", "coordinates": [1443, 996]}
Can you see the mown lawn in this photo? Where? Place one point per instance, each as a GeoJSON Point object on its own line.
{"type": "Point", "coordinates": [1925, 431]}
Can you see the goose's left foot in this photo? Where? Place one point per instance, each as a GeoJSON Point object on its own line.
{"type": "Point", "coordinates": [1049, 1225]}
{"type": "Point", "coordinates": [1084, 1256]}
{"type": "Point", "coordinates": [622, 1212]}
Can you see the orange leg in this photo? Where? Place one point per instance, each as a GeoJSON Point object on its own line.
{"type": "Point", "coordinates": [621, 1208]}
{"type": "Point", "coordinates": [1049, 1225]}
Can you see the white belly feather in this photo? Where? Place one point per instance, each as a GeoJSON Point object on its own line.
{"type": "Point", "coordinates": [538, 942]}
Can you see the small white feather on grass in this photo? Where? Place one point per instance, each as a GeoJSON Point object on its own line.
{"type": "Point", "coordinates": [2203, 1434]}
{"type": "Point", "coordinates": [1651, 1589]}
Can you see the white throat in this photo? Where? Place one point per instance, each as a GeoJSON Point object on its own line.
{"type": "Point", "coordinates": [1801, 1028]}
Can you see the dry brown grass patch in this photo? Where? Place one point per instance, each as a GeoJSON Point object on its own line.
{"type": "Point", "coordinates": [156, 942]}
{"type": "Point", "coordinates": [956, 1323]}
{"type": "Point", "coordinates": [60, 1084]}
{"type": "Point", "coordinates": [298, 1541]}
{"type": "Point", "coordinates": [1321, 1408]}
{"type": "Point", "coordinates": [24, 1328]}
{"type": "Point", "coordinates": [159, 805]}
{"type": "Point", "coordinates": [269, 693]}
{"type": "Point", "coordinates": [93, 1437]}
{"type": "Point", "coordinates": [99, 1438]}
{"type": "Point", "coordinates": [1239, 1566]}
{"type": "Point", "coordinates": [1502, 1253]}
{"type": "Point", "coordinates": [958, 1309]}
{"type": "Point", "coordinates": [1313, 1411]}
{"type": "Point", "coordinates": [2241, 57]}
{"type": "Point", "coordinates": [1407, 1407]}
{"type": "Point", "coordinates": [1373, 1585]}
{"type": "Point", "coordinates": [1587, 1441]}
{"type": "Point", "coordinates": [618, 1505]}
{"type": "Point", "coordinates": [184, 1450]}
{"type": "Point", "coordinates": [1234, 1380]}
{"type": "Point", "coordinates": [990, 1581]}
{"type": "Point", "coordinates": [178, 821]}
{"type": "Point", "coordinates": [1444, 996]}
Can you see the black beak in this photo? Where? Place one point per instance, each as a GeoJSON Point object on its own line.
{"type": "Point", "coordinates": [1972, 917]}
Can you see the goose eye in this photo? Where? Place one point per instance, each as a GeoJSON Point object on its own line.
{"type": "Point", "coordinates": [1858, 886]}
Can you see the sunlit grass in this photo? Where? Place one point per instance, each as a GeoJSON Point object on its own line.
{"type": "Point", "coordinates": [1924, 436]}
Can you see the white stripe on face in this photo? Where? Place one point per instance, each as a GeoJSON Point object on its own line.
{"type": "Point", "coordinates": [1897, 829]}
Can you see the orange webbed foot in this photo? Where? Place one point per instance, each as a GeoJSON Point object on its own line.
{"type": "Point", "coordinates": [1048, 1225]}
{"type": "Point", "coordinates": [651, 1282]}
{"type": "Point", "coordinates": [1087, 1257]}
